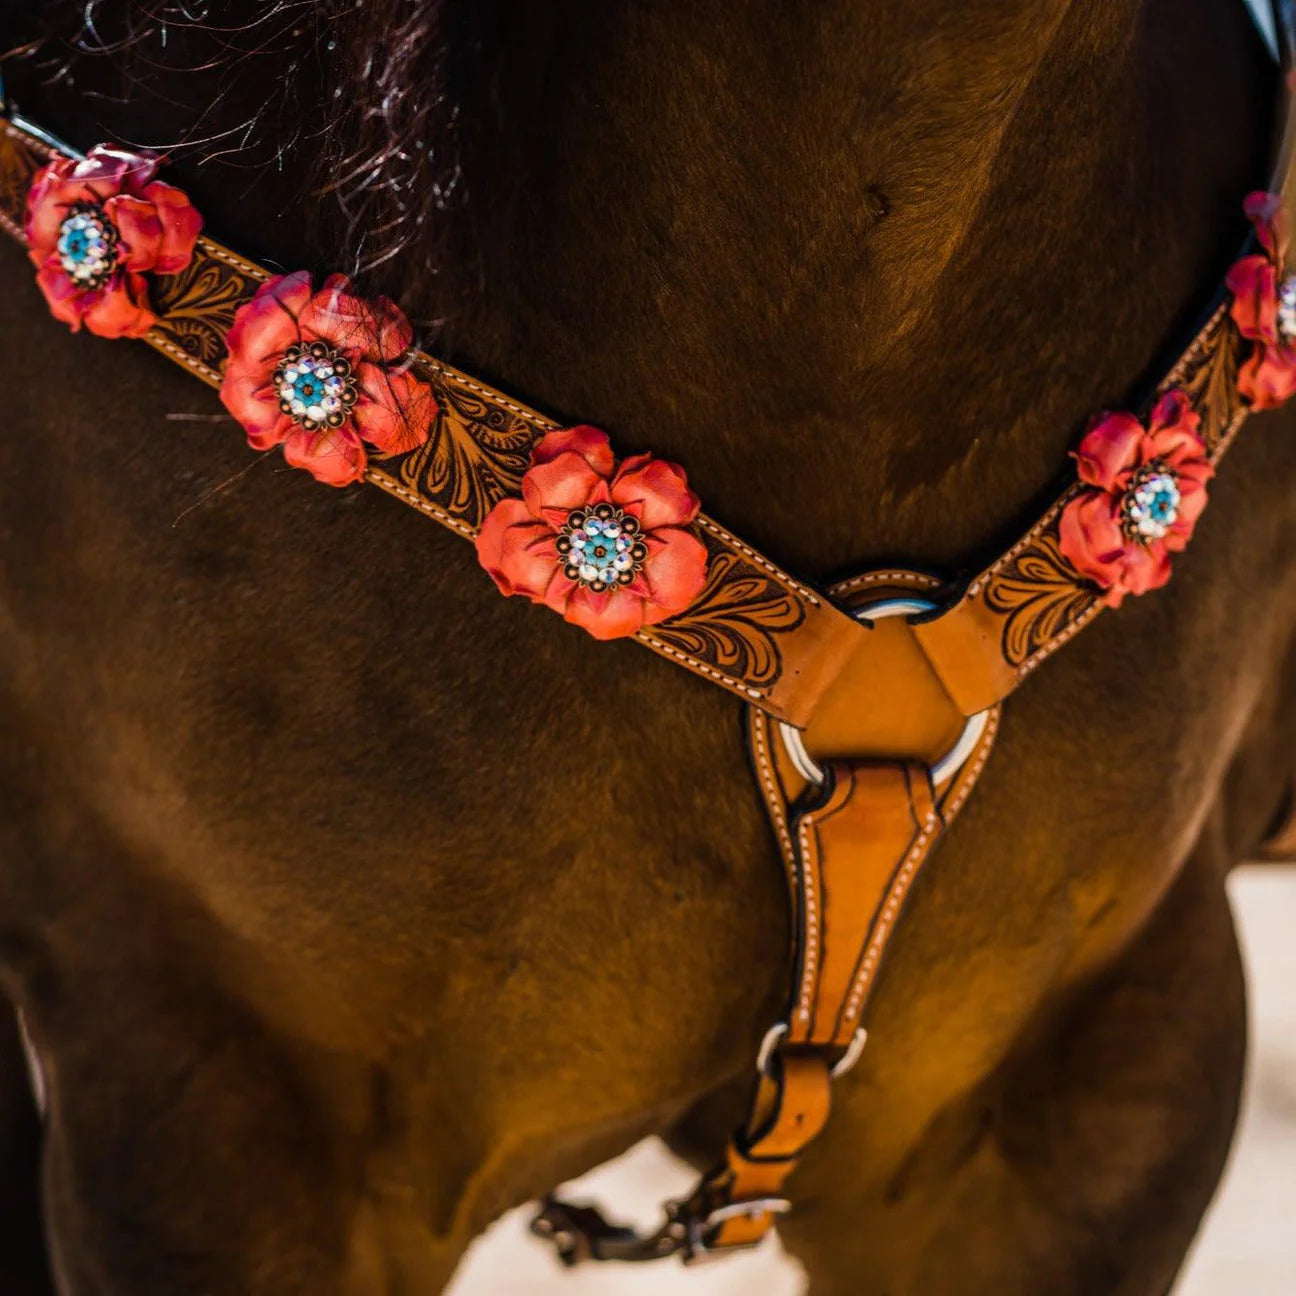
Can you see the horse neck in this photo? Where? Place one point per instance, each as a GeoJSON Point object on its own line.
{"type": "Point", "coordinates": [865, 270]}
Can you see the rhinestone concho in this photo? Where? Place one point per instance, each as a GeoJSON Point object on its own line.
{"type": "Point", "coordinates": [315, 386]}
{"type": "Point", "coordinates": [87, 246]}
{"type": "Point", "coordinates": [1151, 504]}
{"type": "Point", "coordinates": [601, 548]}
{"type": "Point", "coordinates": [1287, 310]}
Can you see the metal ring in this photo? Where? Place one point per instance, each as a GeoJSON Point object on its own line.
{"type": "Point", "coordinates": [773, 1038]}
{"type": "Point", "coordinates": [852, 1054]}
{"type": "Point", "coordinates": [947, 766]}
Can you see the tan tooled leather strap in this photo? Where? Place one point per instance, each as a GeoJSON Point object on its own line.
{"type": "Point", "coordinates": [754, 630]}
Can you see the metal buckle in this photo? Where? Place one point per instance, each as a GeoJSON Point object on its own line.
{"type": "Point", "coordinates": [697, 1249]}
{"type": "Point", "coordinates": [948, 765]}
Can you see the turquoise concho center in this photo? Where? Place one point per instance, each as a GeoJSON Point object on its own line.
{"type": "Point", "coordinates": [87, 246]}
{"type": "Point", "coordinates": [1151, 504]}
{"type": "Point", "coordinates": [315, 385]}
{"type": "Point", "coordinates": [600, 547]}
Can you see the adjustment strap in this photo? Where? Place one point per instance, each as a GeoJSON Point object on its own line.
{"type": "Point", "coordinates": [853, 852]}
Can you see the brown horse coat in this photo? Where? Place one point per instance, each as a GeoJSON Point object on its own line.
{"type": "Point", "coordinates": [349, 904]}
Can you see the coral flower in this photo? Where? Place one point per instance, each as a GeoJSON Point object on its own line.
{"type": "Point", "coordinates": [96, 228]}
{"type": "Point", "coordinates": [1264, 308]}
{"type": "Point", "coordinates": [604, 546]}
{"type": "Point", "coordinates": [322, 373]}
{"type": "Point", "coordinates": [1148, 488]}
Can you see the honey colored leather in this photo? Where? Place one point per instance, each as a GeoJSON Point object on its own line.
{"type": "Point", "coordinates": [849, 850]}
{"type": "Point", "coordinates": [789, 1112]}
{"type": "Point", "coordinates": [855, 714]}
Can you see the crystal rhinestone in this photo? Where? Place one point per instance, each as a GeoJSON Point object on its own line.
{"type": "Point", "coordinates": [87, 246]}
{"type": "Point", "coordinates": [315, 386]}
{"type": "Point", "coordinates": [1151, 503]}
{"type": "Point", "coordinates": [596, 548]}
{"type": "Point", "coordinates": [1287, 309]}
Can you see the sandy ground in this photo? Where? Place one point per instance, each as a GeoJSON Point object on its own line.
{"type": "Point", "coordinates": [1247, 1247]}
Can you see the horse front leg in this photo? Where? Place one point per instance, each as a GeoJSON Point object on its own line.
{"type": "Point", "coordinates": [22, 1242]}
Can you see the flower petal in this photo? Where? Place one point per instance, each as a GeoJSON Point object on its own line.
{"type": "Point", "coordinates": [333, 456]}
{"type": "Point", "coordinates": [253, 401]}
{"type": "Point", "coordinates": [1253, 281]}
{"type": "Point", "coordinates": [1193, 498]}
{"type": "Point", "coordinates": [675, 571]}
{"type": "Point", "coordinates": [1110, 447]}
{"type": "Point", "coordinates": [588, 442]}
{"type": "Point", "coordinates": [553, 489]}
{"type": "Point", "coordinates": [517, 552]}
{"type": "Point", "coordinates": [655, 491]}
{"type": "Point", "coordinates": [374, 330]}
{"type": "Point", "coordinates": [267, 325]}
{"type": "Point", "coordinates": [120, 308]}
{"type": "Point", "coordinates": [606, 616]}
{"type": "Point", "coordinates": [1146, 567]}
{"type": "Point", "coordinates": [181, 224]}
{"type": "Point", "coordinates": [107, 170]}
{"type": "Point", "coordinates": [1090, 536]}
{"type": "Point", "coordinates": [139, 229]}
{"type": "Point", "coordinates": [1173, 410]}
{"type": "Point", "coordinates": [1176, 446]}
{"type": "Point", "coordinates": [1267, 378]}
{"type": "Point", "coordinates": [48, 200]}
{"type": "Point", "coordinates": [1269, 216]}
{"type": "Point", "coordinates": [65, 301]}
{"type": "Point", "coordinates": [395, 409]}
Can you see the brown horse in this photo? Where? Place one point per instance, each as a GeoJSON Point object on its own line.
{"type": "Point", "coordinates": [348, 904]}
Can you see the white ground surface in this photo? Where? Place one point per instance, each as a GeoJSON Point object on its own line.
{"type": "Point", "coordinates": [1247, 1248]}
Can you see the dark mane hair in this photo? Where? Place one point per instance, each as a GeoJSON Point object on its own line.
{"type": "Point", "coordinates": [363, 86]}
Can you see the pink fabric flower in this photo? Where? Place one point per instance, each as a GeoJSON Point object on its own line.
{"type": "Point", "coordinates": [96, 228]}
{"type": "Point", "coordinates": [604, 546]}
{"type": "Point", "coordinates": [1148, 490]}
{"type": "Point", "coordinates": [322, 373]}
{"type": "Point", "coordinates": [1264, 308]}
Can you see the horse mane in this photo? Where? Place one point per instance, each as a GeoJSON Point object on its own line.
{"type": "Point", "coordinates": [366, 85]}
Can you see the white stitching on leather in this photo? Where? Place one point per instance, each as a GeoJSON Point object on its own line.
{"type": "Point", "coordinates": [885, 577]}
{"type": "Point", "coordinates": [900, 887]}
{"type": "Point", "coordinates": [159, 340]}
{"type": "Point", "coordinates": [774, 798]}
{"type": "Point", "coordinates": [810, 953]}
{"type": "Point", "coordinates": [717, 530]}
{"type": "Point", "coordinates": [737, 685]}
{"type": "Point", "coordinates": [383, 482]}
{"type": "Point", "coordinates": [222, 253]}
{"type": "Point", "coordinates": [462, 380]}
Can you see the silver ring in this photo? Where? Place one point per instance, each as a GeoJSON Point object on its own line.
{"type": "Point", "coordinates": [947, 766]}
{"type": "Point", "coordinates": [775, 1036]}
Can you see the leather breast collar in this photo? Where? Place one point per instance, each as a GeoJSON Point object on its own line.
{"type": "Point", "coordinates": [873, 705]}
